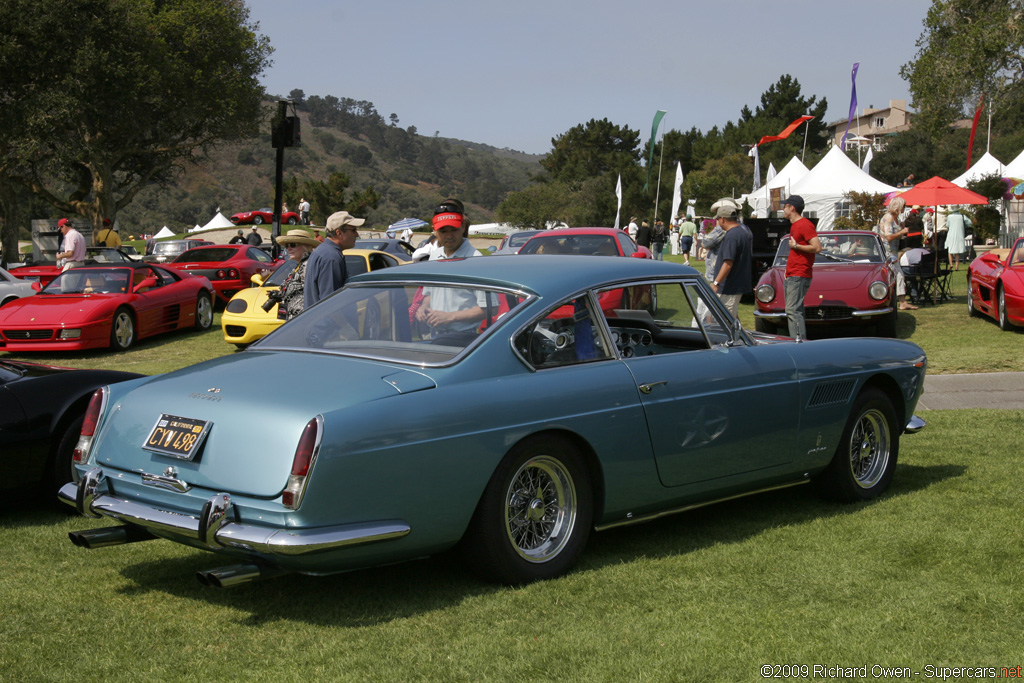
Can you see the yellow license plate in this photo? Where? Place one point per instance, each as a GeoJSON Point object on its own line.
{"type": "Point", "coordinates": [178, 437]}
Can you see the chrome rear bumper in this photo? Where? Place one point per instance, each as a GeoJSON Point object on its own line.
{"type": "Point", "coordinates": [216, 526]}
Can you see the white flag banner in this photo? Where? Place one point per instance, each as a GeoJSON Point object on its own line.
{"type": "Point", "coordinates": [677, 190]}
{"type": "Point", "coordinates": [771, 173]}
{"type": "Point", "coordinates": [618, 195]}
{"type": "Point", "coordinates": [757, 167]}
{"type": "Point", "coordinates": [867, 162]}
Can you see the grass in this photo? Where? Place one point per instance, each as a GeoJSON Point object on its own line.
{"type": "Point", "coordinates": [927, 575]}
{"type": "Point", "coordinates": [954, 342]}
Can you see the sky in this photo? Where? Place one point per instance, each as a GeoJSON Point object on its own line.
{"type": "Point", "coordinates": [517, 74]}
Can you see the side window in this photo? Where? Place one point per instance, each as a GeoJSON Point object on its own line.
{"type": "Point", "coordinates": [666, 317]}
{"type": "Point", "coordinates": [628, 246]}
{"type": "Point", "coordinates": [378, 261]}
{"type": "Point", "coordinates": [258, 255]}
{"type": "Point", "coordinates": [567, 335]}
{"type": "Point", "coordinates": [354, 265]}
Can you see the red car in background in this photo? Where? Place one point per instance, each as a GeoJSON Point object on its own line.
{"type": "Point", "coordinates": [995, 285]}
{"type": "Point", "coordinates": [264, 215]}
{"type": "Point", "coordinates": [105, 306]}
{"type": "Point", "coordinates": [596, 242]}
{"type": "Point", "coordinates": [228, 267]}
{"type": "Point", "coordinates": [853, 284]}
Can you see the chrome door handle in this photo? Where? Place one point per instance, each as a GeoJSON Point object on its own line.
{"type": "Point", "coordinates": [649, 387]}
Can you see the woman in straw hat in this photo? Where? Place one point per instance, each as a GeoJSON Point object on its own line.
{"type": "Point", "coordinates": [299, 245]}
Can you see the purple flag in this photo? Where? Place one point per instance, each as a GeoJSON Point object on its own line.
{"type": "Point", "coordinates": [853, 106]}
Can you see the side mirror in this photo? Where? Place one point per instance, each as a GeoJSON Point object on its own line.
{"type": "Point", "coordinates": [144, 285]}
{"type": "Point", "coordinates": [492, 248]}
{"type": "Point", "coordinates": [637, 254]}
{"type": "Point", "coordinates": [257, 280]}
{"type": "Point", "coordinates": [36, 286]}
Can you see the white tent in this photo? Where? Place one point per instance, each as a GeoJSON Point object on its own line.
{"type": "Point", "coordinates": [986, 165]}
{"type": "Point", "coordinates": [164, 232]}
{"type": "Point", "coordinates": [218, 221]}
{"type": "Point", "coordinates": [824, 186]}
{"type": "Point", "coordinates": [760, 199]}
{"type": "Point", "coordinates": [1015, 169]}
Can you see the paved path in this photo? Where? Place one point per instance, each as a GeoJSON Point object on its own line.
{"type": "Point", "coordinates": [1004, 390]}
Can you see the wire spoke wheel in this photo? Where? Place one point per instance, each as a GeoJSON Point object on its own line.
{"type": "Point", "coordinates": [869, 448]}
{"type": "Point", "coordinates": [540, 512]}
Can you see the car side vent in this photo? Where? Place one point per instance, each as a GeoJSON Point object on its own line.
{"type": "Point", "coordinates": [831, 393]}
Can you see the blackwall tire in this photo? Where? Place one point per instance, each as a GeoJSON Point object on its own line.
{"type": "Point", "coordinates": [122, 331]}
{"type": "Point", "coordinates": [535, 515]}
{"type": "Point", "coordinates": [865, 458]}
{"type": "Point", "coordinates": [204, 311]}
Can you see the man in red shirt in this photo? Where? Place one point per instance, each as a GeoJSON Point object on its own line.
{"type": "Point", "coordinates": [803, 246]}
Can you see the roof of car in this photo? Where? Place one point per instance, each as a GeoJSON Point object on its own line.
{"type": "Point", "coordinates": [536, 273]}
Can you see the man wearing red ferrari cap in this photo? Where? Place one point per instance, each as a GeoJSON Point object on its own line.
{"type": "Point", "coordinates": [452, 230]}
{"type": "Point", "coordinates": [446, 309]}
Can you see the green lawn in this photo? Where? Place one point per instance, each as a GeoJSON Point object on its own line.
{"type": "Point", "coordinates": [930, 574]}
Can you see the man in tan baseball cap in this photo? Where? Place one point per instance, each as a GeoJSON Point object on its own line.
{"type": "Point", "coordinates": [325, 268]}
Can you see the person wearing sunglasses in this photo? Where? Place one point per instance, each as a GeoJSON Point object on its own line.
{"type": "Point", "coordinates": [325, 268]}
{"type": "Point", "coordinates": [445, 309]}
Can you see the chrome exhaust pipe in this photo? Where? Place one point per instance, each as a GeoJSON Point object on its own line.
{"type": "Point", "coordinates": [108, 536]}
{"type": "Point", "coordinates": [236, 574]}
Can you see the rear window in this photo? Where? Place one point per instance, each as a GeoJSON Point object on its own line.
{"type": "Point", "coordinates": [588, 245]}
{"type": "Point", "coordinates": [203, 255]}
{"type": "Point", "coordinates": [399, 322]}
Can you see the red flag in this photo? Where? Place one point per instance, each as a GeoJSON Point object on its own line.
{"type": "Point", "coordinates": [970, 143]}
{"type": "Point", "coordinates": [786, 131]}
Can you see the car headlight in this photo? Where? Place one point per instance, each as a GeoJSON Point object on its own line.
{"type": "Point", "coordinates": [236, 306]}
{"type": "Point", "coordinates": [879, 291]}
{"type": "Point", "coordinates": [765, 293]}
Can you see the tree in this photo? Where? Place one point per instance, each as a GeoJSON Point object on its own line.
{"type": "Point", "coordinates": [968, 48]}
{"type": "Point", "coordinates": [590, 150]}
{"type": "Point", "coordinates": [101, 98]}
{"type": "Point", "coordinates": [298, 97]}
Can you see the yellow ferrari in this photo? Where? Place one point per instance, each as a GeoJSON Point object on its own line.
{"type": "Point", "coordinates": [244, 320]}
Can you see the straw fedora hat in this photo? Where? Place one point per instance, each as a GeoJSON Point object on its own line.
{"type": "Point", "coordinates": [297, 237]}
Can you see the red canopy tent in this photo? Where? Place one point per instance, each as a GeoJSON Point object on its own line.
{"type": "Point", "coordinates": [939, 192]}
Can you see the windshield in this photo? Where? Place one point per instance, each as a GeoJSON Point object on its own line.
{"type": "Point", "coordinates": [169, 248]}
{"type": "Point", "coordinates": [90, 281]}
{"type": "Point", "coordinates": [860, 247]}
{"type": "Point", "coordinates": [204, 255]}
{"type": "Point", "coordinates": [278, 277]}
{"type": "Point", "coordinates": [407, 323]}
{"type": "Point", "coordinates": [595, 245]}
{"type": "Point", "coordinates": [520, 238]}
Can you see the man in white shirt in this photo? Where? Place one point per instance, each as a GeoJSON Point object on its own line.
{"type": "Point", "coordinates": [446, 309]}
{"type": "Point", "coordinates": [74, 245]}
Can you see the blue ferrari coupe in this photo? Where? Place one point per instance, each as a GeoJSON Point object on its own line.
{"type": "Point", "coordinates": [524, 411]}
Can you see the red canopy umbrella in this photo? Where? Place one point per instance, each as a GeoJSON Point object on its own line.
{"type": "Point", "coordinates": [939, 192]}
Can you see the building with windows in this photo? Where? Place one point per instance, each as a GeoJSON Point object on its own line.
{"type": "Point", "coordinates": [871, 127]}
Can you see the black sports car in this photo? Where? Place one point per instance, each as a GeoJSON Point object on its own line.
{"type": "Point", "coordinates": [41, 410]}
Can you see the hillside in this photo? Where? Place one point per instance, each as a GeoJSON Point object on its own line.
{"type": "Point", "coordinates": [409, 172]}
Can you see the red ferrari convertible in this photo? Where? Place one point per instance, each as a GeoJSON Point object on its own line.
{"type": "Point", "coordinates": [853, 284]}
{"type": "Point", "coordinates": [264, 215]}
{"type": "Point", "coordinates": [45, 272]}
{"type": "Point", "coordinates": [229, 267]}
{"type": "Point", "coordinates": [106, 306]}
{"type": "Point", "coordinates": [995, 285]}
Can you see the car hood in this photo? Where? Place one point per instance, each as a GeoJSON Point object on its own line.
{"type": "Point", "coordinates": [842, 277]}
{"type": "Point", "coordinates": [255, 419]}
{"type": "Point", "coordinates": [56, 309]}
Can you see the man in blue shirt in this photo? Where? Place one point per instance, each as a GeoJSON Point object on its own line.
{"type": "Point", "coordinates": [733, 277]}
{"type": "Point", "coordinates": [325, 269]}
